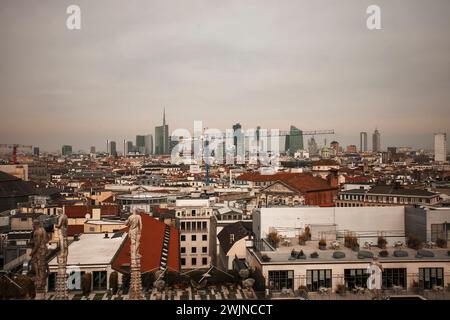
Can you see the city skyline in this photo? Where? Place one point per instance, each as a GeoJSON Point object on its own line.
{"type": "Point", "coordinates": [310, 65]}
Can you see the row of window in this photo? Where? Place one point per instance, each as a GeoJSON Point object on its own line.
{"type": "Point", "coordinates": [194, 237]}
{"type": "Point", "coordinates": [194, 250]}
{"type": "Point", "coordinates": [193, 226]}
{"type": "Point", "coordinates": [194, 262]}
{"type": "Point", "coordinates": [193, 213]}
{"type": "Point", "coordinates": [428, 278]}
{"type": "Point", "coordinates": [384, 199]}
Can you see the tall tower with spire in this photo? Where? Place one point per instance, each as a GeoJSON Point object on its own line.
{"type": "Point", "coordinates": [162, 137]}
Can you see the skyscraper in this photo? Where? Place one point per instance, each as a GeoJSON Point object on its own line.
{"type": "Point", "coordinates": [129, 147]}
{"type": "Point", "coordinates": [363, 141]}
{"type": "Point", "coordinates": [66, 150]}
{"type": "Point", "coordinates": [295, 140]}
{"type": "Point", "coordinates": [376, 141]}
{"type": "Point", "coordinates": [162, 137]}
{"type": "Point", "coordinates": [112, 148]}
{"type": "Point", "coordinates": [440, 147]}
{"type": "Point", "coordinates": [140, 144]}
{"type": "Point", "coordinates": [92, 149]}
{"type": "Point", "coordinates": [148, 144]}
{"type": "Point", "coordinates": [238, 135]}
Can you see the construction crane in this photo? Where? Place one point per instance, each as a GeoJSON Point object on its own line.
{"type": "Point", "coordinates": [13, 149]}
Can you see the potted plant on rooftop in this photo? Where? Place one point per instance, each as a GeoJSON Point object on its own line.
{"type": "Point", "coordinates": [382, 242]}
{"type": "Point", "coordinates": [413, 242]}
{"type": "Point", "coordinates": [441, 243]}
{"type": "Point", "coordinates": [322, 244]}
{"type": "Point", "coordinates": [341, 289]}
{"type": "Point", "coordinates": [274, 238]}
{"type": "Point", "coordinates": [307, 233]}
{"type": "Point", "coordinates": [302, 240]}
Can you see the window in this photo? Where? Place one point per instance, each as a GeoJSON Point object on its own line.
{"type": "Point", "coordinates": [318, 278]}
{"type": "Point", "coordinates": [231, 237]}
{"type": "Point", "coordinates": [51, 281]}
{"type": "Point", "coordinates": [99, 280]}
{"type": "Point", "coordinates": [193, 213]}
{"type": "Point", "coordinates": [394, 277]}
{"type": "Point", "coordinates": [204, 249]}
{"type": "Point", "coordinates": [204, 261]}
{"type": "Point", "coordinates": [194, 261]}
{"type": "Point", "coordinates": [183, 250]}
{"type": "Point", "coordinates": [429, 277]}
{"type": "Point", "coordinates": [182, 237]}
{"type": "Point", "coordinates": [281, 279]}
{"type": "Point", "coordinates": [183, 226]}
{"type": "Point", "coordinates": [193, 250]}
{"type": "Point", "coordinates": [183, 261]}
{"type": "Point", "coordinates": [193, 237]}
{"type": "Point", "coordinates": [437, 232]}
{"type": "Point", "coordinates": [355, 277]}
{"type": "Point", "coordinates": [204, 237]}
{"type": "Point", "coordinates": [204, 225]}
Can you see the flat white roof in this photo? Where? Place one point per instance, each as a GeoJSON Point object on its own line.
{"type": "Point", "coordinates": [105, 222]}
{"type": "Point", "coordinates": [92, 248]}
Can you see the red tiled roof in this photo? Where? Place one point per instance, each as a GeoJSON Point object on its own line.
{"type": "Point", "coordinates": [303, 182]}
{"type": "Point", "coordinates": [325, 162]}
{"type": "Point", "coordinates": [151, 247]}
{"type": "Point", "coordinates": [74, 229]}
{"type": "Point", "coordinates": [355, 179]}
{"type": "Point", "coordinates": [77, 211]}
{"type": "Point", "coordinates": [81, 211]}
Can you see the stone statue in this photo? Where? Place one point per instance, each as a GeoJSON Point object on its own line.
{"type": "Point", "coordinates": [61, 276]}
{"type": "Point", "coordinates": [134, 224]}
{"type": "Point", "coordinates": [39, 259]}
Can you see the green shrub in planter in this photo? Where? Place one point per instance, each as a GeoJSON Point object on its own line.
{"type": "Point", "coordinates": [314, 255]}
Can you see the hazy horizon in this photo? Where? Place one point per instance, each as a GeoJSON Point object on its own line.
{"type": "Point", "coordinates": [311, 64]}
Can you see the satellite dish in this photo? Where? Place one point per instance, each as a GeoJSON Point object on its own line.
{"type": "Point", "coordinates": [87, 216]}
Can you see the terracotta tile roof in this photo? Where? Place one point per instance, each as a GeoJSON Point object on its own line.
{"type": "Point", "coordinates": [151, 247]}
{"type": "Point", "coordinates": [303, 182]}
{"type": "Point", "coordinates": [74, 229]}
{"type": "Point", "coordinates": [81, 211]}
{"type": "Point", "coordinates": [325, 162]}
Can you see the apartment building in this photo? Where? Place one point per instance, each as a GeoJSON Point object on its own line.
{"type": "Point", "coordinates": [386, 196]}
{"type": "Point", "coordinates": [197, 234]}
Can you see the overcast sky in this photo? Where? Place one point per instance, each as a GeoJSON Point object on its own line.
{"type": "Point", "coordinates": [312, 64]}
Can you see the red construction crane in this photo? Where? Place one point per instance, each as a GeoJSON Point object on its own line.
{"type": "Point", "coordinates": [14, 148]}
